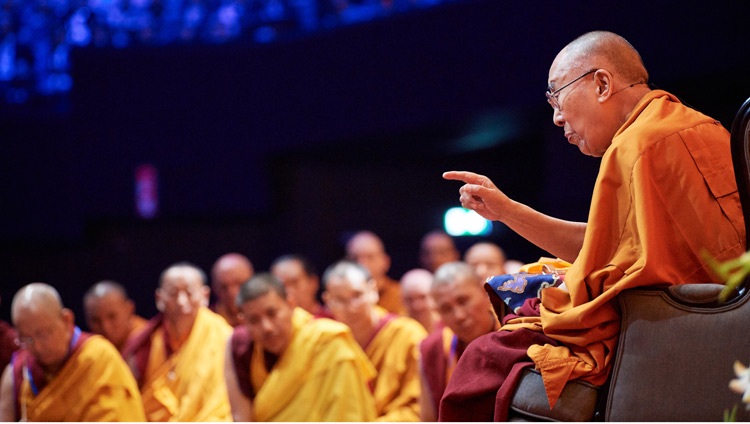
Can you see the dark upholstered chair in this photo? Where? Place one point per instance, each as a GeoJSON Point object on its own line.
{"type": "Point", "coordinates": [677, 346]}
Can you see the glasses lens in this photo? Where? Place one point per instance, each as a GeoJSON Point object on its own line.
{"type": "Point", "coordinates": [552, 100]}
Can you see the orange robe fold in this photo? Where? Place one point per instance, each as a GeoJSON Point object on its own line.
{"type": "Point", "coordinates": [188, 384]}
{"type": "Point", "coordinates": [665, 192]}
{"type": "Point", "coordinates": [95, 384]}
{"type": "Point", "coordinates": [322, 376]}
{"type": "Point", "coordinates": [394, 351]}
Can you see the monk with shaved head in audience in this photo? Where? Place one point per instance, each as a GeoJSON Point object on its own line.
{"type": "Point", "coordinates": [368, 250]}
{"type": "Point", "coordinates": [415, 292]}
{"type": "Point", "coordinates": [228, 274]}
{"type": "Point", "coordinates": [62, 373]}
{"type": "Point", "coordinates": [111, 313]}
{"type": "Point", "coordinates": [178, 359]}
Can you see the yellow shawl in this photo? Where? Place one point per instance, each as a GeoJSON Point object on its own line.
{"type": "Point", "coordinates": [189, 385]}
{"type": "Point", "coordinates": [394, 351]}
{"type": "Point", "coordinates": [95, 384]}
{"type": "Point", "coordinates": [322, 375]}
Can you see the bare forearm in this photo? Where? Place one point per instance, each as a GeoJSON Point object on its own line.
{"type": "Point", "coordinates": [562, 239]}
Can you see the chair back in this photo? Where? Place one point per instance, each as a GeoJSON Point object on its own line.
{"type": "Point", "coordinates": [740, 145]}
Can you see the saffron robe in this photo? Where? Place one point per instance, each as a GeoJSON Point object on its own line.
{"type": "Point", "coordinates": [94, 384]}
{"type": "Point", "coordinates": [665, 192]}
{"type": "Point", "coordinates": [322, 376]}
{"type": "Point", "coordinates": [187, 384]}
{"type": "Point", "coordinates": [389, 296]}
{"type": "Point", "coordinates": [394, 351]}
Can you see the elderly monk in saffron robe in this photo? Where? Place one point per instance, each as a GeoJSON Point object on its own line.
{"type": "Point", "coordinates": [285, 365]}
{"type": "Point", "coordinates": [62, 373]}
{"type": "Point", "coordinates": [178, 359]}
{"type": "Point", "coordinates": [665, 192]}
{"type": "Point", "coordinates": [390, 341]}
{"type": "Point", "coordinates": [463, 307]}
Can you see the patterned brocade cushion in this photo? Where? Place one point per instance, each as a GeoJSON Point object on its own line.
{"type": "Point", "coordinates": [514, 289]}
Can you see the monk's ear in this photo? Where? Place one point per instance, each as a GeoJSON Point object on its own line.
{"type": "Point", "coordinates": [206, 292]}
{"type": "Point", "coordinates": [130, 306]}
{"type": "Point", "coordinates": [603, 84]}
{"type": "Point", "coordinates": [67, 316]}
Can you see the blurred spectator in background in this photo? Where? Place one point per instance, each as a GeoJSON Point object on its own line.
{"type": "Point", "coordinates": [389, 340]}
{"type": "Point", "coordinates": [367, 249]}
{"type": "Point", "coordinates": [228, 274]}
{"type": "Point", "coordinates": [487, 259]}
{"type": "Point", "coordinates": [285, 365]}
{"type": "Point", "coordinates": [7, 343]}
{"type": "Point", "coordinates": [178, 359]}
{"type": "Point", "coordinates": [301, 281]}
{"type": "Point", "coordinates": [437, 248]}
{"type": "Point", "coordinates": [415, 292]}
{"type": "Point", "coordinates": [466, 312]}
{"type": "Point", "coordinates": [111, 313]}
{"type": "Point", "coordinates": [62, 373]}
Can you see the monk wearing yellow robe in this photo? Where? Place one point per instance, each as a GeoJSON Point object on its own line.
{"type": "Point", "coordinates": [389, 340]}
{"type": "Point", "coordinates": [178, 360]}
{"type": "Point", "coordinates": [61, 373]}
{"type": "Point", "coordinates": [666, 192]}
{"type": "Point", "coordinates": [285, 365]}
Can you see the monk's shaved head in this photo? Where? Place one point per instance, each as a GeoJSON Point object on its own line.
{"type": "Point", "coordinates": [105, 288]}
{"type": "Point", "coordinates": [35, 297]}
{"type": "Point", "coordinates": [606, 49]}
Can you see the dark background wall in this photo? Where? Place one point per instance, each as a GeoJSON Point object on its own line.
{"type": "Point", "coordinates": [292, 146]}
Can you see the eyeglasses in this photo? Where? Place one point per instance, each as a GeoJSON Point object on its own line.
{"type": "Point", "coordinates": [42, 336]}
{"type": "Point", "coordinates": [552, 96]}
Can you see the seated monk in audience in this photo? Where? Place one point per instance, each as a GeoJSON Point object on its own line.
{"type": "Point", "coordinates": [487, 259]}
{"type": "Point", "coordinates": [466, 313]}
{"type": "Point", "coordinates": [111, 313]}
{"type": "Point", "coordinates": [228, 273]}
{"type": "Point", "coordinates": [367, 249]}
{"type": "Point", "coordinates": [436, 248]}
{"type": "Point", "coordinates": [178, 358]}
{"type": "Point", "coordinates": [415, 292]}
{"type": "Point", "coordinates": [301, 280]}
{"type": "Point", "coordinates": [62, 373]}
{"type": "Point", "coordinates": [285, 365]}
{"type": "Point", "coordinates": [390, 341]}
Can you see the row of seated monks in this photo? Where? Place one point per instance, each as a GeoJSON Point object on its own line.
{"type": "Point", "coordinates": [272, 346]}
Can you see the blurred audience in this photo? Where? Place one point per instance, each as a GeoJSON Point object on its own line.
{"type": "Point", "coordinates": [367, 249]}
{"type": "Point", "coordinates": [415, 292]}
{"type": "Point", "coordinates": [228, 274]}
{"type": "Point", "coordinates": [285, 365]}
{"type": "Point", "coordinates": [301, 281]}
{"type": "Point", "coordinates": [465, 309]}
{"type": "Point", "coordinates": [110, 312]}
{"type": "Point", "coordinates": [178, 359]}
{"type": "Point", "coordinates": [389, 340]}
{"type": "Point", "coordinates": [62, 373]}
{"type": "Point", "coordinates": [437, 248]}
{"type": "Point", "coordinates": [487, 259]}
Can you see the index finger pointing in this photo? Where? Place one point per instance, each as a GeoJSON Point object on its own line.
{"type": "Point", "coordinates": [465, 176]}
